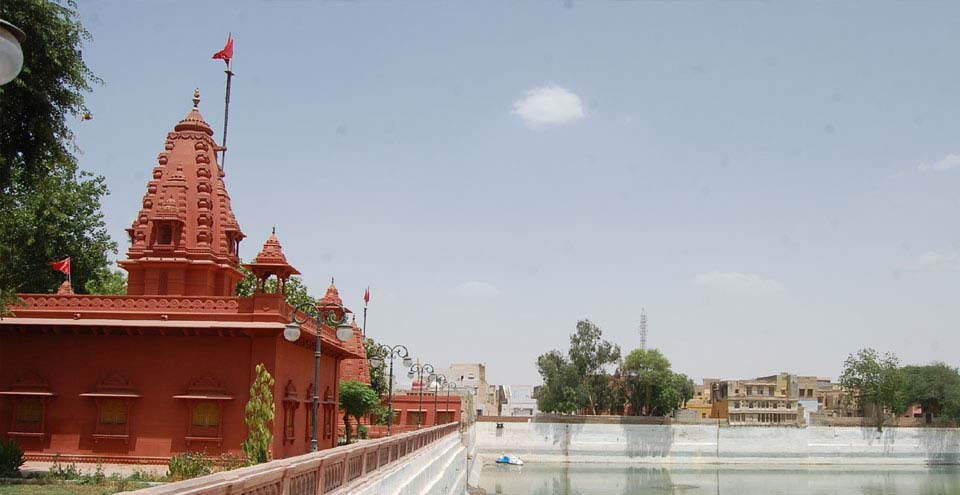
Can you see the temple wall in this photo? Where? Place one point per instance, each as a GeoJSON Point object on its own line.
{"type": "Point", "coordinates": [711, 444]}
{"type": "Point", "coordinates": [296, 363]}
{"type": "Point", "coordinates": [158, 368]}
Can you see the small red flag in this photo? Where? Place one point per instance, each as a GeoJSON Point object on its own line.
{"type": "Point", "coordinates": [62, 266]}
{"type": "Point", "coordinates": [366, 295]}
{"type": "Point", "coordinates": [227, 53]}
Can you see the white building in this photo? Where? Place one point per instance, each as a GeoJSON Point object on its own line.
{"type": "Point", "coordinates": [519, 401]}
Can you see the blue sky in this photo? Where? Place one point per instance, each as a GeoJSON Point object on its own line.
{"type": "Point", "coordinates": [775, 183]}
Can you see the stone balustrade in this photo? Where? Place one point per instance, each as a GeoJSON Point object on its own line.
{"type": "Point", "coordinates": [330, 471]}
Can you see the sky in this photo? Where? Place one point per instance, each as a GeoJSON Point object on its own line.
{"type": "Point", "coordinates": [775, 183]}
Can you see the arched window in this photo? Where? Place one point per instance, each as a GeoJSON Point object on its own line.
{"type": "Point", "coordinates": [290, 404]}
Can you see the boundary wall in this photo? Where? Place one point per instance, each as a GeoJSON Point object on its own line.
{"type": "Point", "coordinates": [544, 440]}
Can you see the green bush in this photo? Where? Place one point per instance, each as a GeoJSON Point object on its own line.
{"type": "Point", "coordinates": [362, 431]}
{"type": "Point", "coordinates": [189, 465]}
{"type": "Point", "coordinates": [63, 472]}
{"type": "Point", "coordinates": [11, 458]}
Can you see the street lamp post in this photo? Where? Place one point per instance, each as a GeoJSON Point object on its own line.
{"type": "Point", "coordinates": [377, 361]}
{"type": "Point", "coordinates": [332, 315]}
{"type": "Point", "coordinates": [418, 370]}
{"type": "Point", "coordinates": [449, 386]}
{"type": "Point", "coordinates": [439, 379]}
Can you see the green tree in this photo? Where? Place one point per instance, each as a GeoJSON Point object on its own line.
{"type": "Point", "coordinates": [558, 394]}
{"type": "Point", "coordinates": [357, 399]}
{"type": "Point", "coordinates": [590, 354]}
{"type": "Point", "coordinates": [378, 376]}
{"type": "Point", "coordinates": [647, 373]}
{"type": "Point", "coordinates": [874, 382]}
{"type": "Point", "coordinates": [936, 387]}
{"type": "Point", "coordinates": [297, 292]}
{"type": "Point", "coordinates": [652, 388]}
{"type": "Point", "coordinates": [112, 283]}
{"type": "Point", "coordinates": [260, 413]}
{"type": "Point", "coordinates": [49, 209]}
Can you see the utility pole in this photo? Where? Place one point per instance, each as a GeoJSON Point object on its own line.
{"type": "Point", "coordinates": [643, 328]}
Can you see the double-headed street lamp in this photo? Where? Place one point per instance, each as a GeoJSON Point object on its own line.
{"type": "Point", "coordinates": [438, 380]}
{"type": "Point", "coordinates": [332, 315]}
{"type": "Point", "coordinates": [418, 370]}
{"type": "Point", "coordinates": [382, 353]}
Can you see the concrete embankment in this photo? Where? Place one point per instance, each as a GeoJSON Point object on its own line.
{"type": "Point", "coordinates": [440, 469]}
{"type": "Point", "coordinates": [715, 444]}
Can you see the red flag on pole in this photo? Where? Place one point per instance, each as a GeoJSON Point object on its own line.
{"type": "Point", "coordinates": [227, 53]}
{"type": "Point", "coordinates": [62, 266]}
{"type": "Point", "coordinates": [366, 296]}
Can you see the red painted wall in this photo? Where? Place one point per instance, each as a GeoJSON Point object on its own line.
{"type": "Point", "coordinates": [408, 406]}
{"type": "Point", "coordinates": [158, 367]}
{"type": "Point", "coordinates": [296, 364]}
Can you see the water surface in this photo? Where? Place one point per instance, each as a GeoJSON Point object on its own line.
{"type": "Point", "coordinates": [590, 479]}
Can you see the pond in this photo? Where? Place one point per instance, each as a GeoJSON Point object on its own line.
{"type": "Point", "coordinates": [589, 479]}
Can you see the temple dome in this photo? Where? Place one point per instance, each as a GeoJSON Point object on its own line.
{"type": "Point", "coordinates": [194, 121]}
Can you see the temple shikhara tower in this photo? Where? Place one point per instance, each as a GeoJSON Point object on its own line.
{"type": "Point", "coordinates": [185, 239]}
{"type": "Point", "coordinates": [167, 368]}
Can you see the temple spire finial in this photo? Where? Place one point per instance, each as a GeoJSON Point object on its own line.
{"type": "Point", "coordinates": [196, 98]}
{"type": "Point", "coordinates": [274, 230]}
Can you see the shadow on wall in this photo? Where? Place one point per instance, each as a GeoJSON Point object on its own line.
{"type": "Point", "coordinates": [648, 441]}
{"type": "Point", "coordinates": [559, 435]}
{"type": "Point", "coordinates": [636, 440]}
{"type": "Point", "coordinates": [941, 445]}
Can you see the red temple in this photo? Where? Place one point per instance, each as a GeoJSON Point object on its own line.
{"type": "Point", "coordinates": [168, 367]}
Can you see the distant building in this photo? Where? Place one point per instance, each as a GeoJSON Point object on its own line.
{"type": "Point", "coordinates": [831, 402]}
{"type": "Point", "coordinates": [701, 404]}
{"type": "Point", "coordinates": [807, 396]}
{"type": "Point", "coordinates": [518, 400]}
{"type": "Point", "coordinates": [471, 379]}
{"type": "Point", "coordinates": [769, 400]}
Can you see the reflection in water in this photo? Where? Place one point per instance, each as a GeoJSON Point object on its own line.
{"type": "Point", "coordinates": [595, 479]}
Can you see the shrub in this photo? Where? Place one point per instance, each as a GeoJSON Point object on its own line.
{"type": "Point", "coordinates": [98, 476]}
{"type": "Point", "coordinates": [189, 465]}
{"type": "Point", "coordinates": [11, 458]}
{"type": "Point", "coordinates": [231, 461]}
{"type": "Point", "coordinates": [64, 472]}
{"type": "Point", "coordinates": [362, 431]}
{"type": "Point", "coordinates": [260, 414]}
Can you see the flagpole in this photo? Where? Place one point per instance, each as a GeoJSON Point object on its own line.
{"type": "Point", "coordinates": [364, 333]}
{"type": "Point", "coordinates": [226, 117]}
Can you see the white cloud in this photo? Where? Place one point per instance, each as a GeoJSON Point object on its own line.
{"type": "Point", "coordinates": [548, 105]}
{"type": "Point", "coordinates": [736, 281]}
{"type": "Point", "coordinates": [476, 289]}
{"type": "Point", "coordinates": [934, 261]}
{"type": "Point", "coordinates": [945, 163]}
